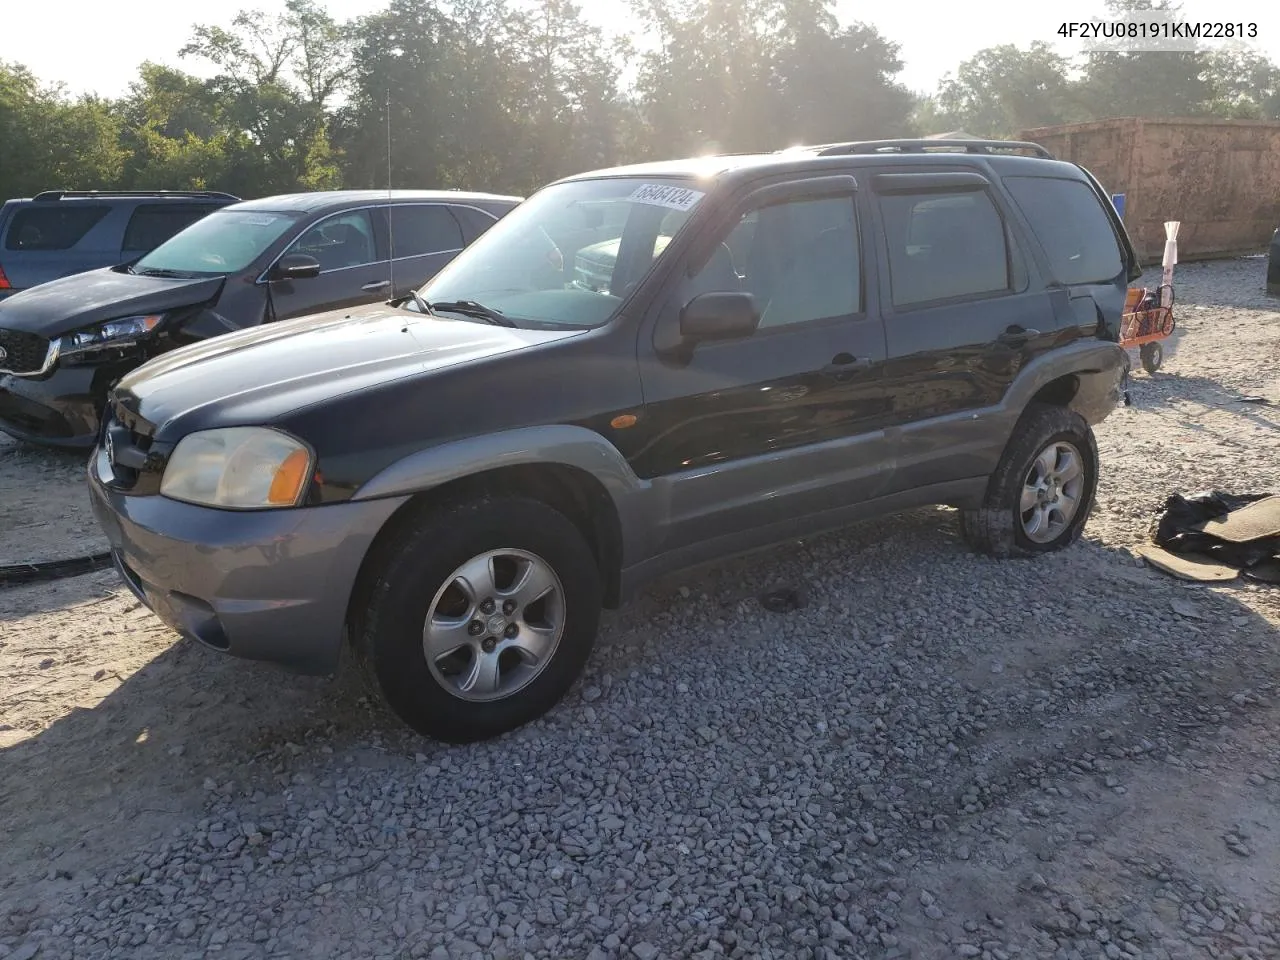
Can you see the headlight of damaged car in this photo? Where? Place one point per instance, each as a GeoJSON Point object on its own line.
{"type": "Point", "coordinates": [240, 468]}
{"type": "Point", "coordinates": [114, 333]}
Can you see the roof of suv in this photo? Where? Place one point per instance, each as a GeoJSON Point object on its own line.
{"type": "Point", "coordinates": [905, 152]}
{"type": "Point", "coordinates": [339, 198]}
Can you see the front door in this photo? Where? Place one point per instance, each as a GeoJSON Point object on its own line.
{"type": "Point", "coordinates": [783, 423]}
{"type": "Point", "coordinates": [353, 268]}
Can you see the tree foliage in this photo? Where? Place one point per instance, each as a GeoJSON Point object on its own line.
{"type": "Point", "coordinates": [505, 95]}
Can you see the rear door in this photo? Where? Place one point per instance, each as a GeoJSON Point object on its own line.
{"type": "Point", "coordinates": [353, 267]}
{"type": "Point", "coordinates": [424, 237]}
{"type": "Point", "coordinates": [151, 224]}
{"type": "Point", "coordinates": [962, 317]}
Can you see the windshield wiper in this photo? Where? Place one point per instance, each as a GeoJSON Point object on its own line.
{"type": "Point", "coordinates": [469, 308]}
{"type": "Point", "coordinates": [160, 272]}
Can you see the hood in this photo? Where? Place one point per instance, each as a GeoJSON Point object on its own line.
{"type": "Point", "coordinates": [70, 303]}
{"type": "Point", "coordinates": [264, 373]}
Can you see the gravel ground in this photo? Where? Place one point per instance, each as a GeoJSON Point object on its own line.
{"type": "Point", "coordinates": [939, 755]}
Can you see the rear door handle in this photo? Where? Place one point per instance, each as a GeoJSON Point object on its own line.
{"type": "Point", "coordinates": [1017, 336]}
{"type": "Point", "coordinates": [376, 285]}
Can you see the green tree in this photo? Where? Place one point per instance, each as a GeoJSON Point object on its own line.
{"type": "Point", "coordinates": [1145, 83]}
{"type": "Point", "coordinates": [276, 79]}
{"type": "Point", "coordinates": [51, 141]}
{"type": "Point", "coordinates": [1003, 90]}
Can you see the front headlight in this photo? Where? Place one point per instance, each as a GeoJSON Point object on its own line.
{"type": "Point", "coordinates": [114, 333]}
{"type": "Point", "coordinates": [243, 468]}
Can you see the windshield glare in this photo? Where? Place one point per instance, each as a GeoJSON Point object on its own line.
{"type": "Point", "coordinates": [572, 252]}
{"type": "Point", "coordinates": [223, 242]}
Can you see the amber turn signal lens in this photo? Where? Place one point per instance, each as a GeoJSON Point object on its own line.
{"type": "Point", "coordinates": [622, 422]}
{"type": "Point", "coordinates": [286, 485]}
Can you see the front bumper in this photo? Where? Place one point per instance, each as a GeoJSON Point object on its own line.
{"type": "Point", "coordinates": [263, 585]}
{"type": "Point", "coordinates": [60, 410]}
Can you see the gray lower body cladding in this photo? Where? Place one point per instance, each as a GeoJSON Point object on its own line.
{"type": "Point", "coordinates": [264, 585]}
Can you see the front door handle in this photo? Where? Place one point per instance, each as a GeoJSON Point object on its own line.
{"type": "Point", "coordinates": [376, 285]}
{"type": "Point", "coordinates": [844, 363]}
{"type": "Point", "coordinates": [1017, 336]}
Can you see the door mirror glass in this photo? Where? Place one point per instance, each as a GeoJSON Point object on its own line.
{"type": "Point", "coordinates": [296, 266]}
{"type": "Point", "coordinates": [719, 316]}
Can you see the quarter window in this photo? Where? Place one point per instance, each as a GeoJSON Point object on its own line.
{"type": "Point", "coordinates": [943, 246]}
{"type": "Point", "coordinates": [340, 242]}
{"type": "Point", "coordinates": [58, 227]}
{"type": "Point", "coordinates": [418, 230]}
{"type": "Point", "coordinates": [800, 260]}
{"type": "Point", "coordinates": [1074, 229]}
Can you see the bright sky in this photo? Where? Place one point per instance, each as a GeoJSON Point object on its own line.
{"type": "Point", "coordinates": [98, 46]}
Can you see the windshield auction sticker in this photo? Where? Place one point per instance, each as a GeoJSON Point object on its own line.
{"type": "Point", "coordinates": [676, 198]}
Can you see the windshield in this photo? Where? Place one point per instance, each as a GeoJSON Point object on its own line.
{"type": "Point", "coordinates": [223, 242]}
{"type": "Point", "coordinates": [571, 253]}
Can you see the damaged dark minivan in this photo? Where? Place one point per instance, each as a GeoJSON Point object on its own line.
{"type": "Point", "coordinates": [64, 343]}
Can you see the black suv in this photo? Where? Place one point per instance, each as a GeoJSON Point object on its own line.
{"type": "Point", "coordinates": [62, 232]}
{"type": "Point", "coordinates": [64, 343]}
{"type": "Point", "coordinates": [459, 483]}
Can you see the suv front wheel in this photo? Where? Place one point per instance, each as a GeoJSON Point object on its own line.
{"type": "Point", "coordinates": [1043, 489]}
{"type": "Point", "coordinates": [482, 615]}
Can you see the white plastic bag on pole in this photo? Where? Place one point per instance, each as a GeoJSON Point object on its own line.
{"type": "Point", "coordinates": [1170, 249]}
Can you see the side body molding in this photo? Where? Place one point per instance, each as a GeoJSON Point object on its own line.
{"type": "Point", "coordinates": [634, 499]}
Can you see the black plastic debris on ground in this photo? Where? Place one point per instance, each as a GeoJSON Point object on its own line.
{"type": "Point", "coordinates": [1181, 530]}
{"type": "Point", "coordinates": [782, 600]}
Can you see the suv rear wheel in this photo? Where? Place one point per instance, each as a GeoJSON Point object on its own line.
{"type": "Point", "coordinates": [1043, 489]}
{"type": "Point", "coordinates": [482, 616]}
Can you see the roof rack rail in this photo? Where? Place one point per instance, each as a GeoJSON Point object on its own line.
{"type": "Point", "coordinates": [186, 194]}
{"type": "Point", "coordinates": [929, 146]}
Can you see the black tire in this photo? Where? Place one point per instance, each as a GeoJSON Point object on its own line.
{"type": "Point", "coordinates": [996, 527]}
{"type": "Point", "coordinates": [1152, 355]}
{"type": "Point", "coordinates": [388, 630]}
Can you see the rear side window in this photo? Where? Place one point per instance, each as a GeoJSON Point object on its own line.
{"type": "Point", "coordinates": [1072, 226]}
{"type": "Point", "coordinates": [154, 223]}
{"type": "Point", "coordinates": [944, 245]}
{"type": "Point", "coordinates": [417, 230]}
{"type": "Point", "coordinates": [58, 227]}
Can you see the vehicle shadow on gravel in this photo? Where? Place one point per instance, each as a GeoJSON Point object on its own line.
{"type": "Point", "coordinates": [126, 764]}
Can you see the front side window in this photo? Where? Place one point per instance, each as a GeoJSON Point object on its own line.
{"type": "Point", "coordinates": [225, 241]}
{"type": "Point", "coordinates": [339, 242]}
{"type": "Point", "coordinates": [571, 253]}
{"type": "Point", "coordinates": [1074, 229]}
{"type": "Point", "coordinates": [944, 245]}
{"type": "Point", "coordinates": [800, 260]}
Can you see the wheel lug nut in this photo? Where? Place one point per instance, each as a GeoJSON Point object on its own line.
{"type": "Point", "coordinates": [511, 631]}
{"type": "Point", "coordinates": [508, 607]}
{"type": "Point", "coordinates": [488, 606]}
{"type": "Point", "coordinates": [487, 644]}
{"type": "Point", "coordinates": [475, 628]}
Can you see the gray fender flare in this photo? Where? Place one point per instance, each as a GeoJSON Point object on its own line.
{"type": "Point", "coordinates": [558, 445]}
{"type": "Point", "coordinates": [1099, 367]}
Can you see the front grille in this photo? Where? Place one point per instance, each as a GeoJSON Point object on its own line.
{"type": "Point", "coordinates": [22, 352]}
{"type": "Point", "coordinates": [137, 462]}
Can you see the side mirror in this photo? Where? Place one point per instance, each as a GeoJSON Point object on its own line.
{"type": "Point", "coordinates": [296, 266]}
{"type": "Point", "coordinates": [719, 316]}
